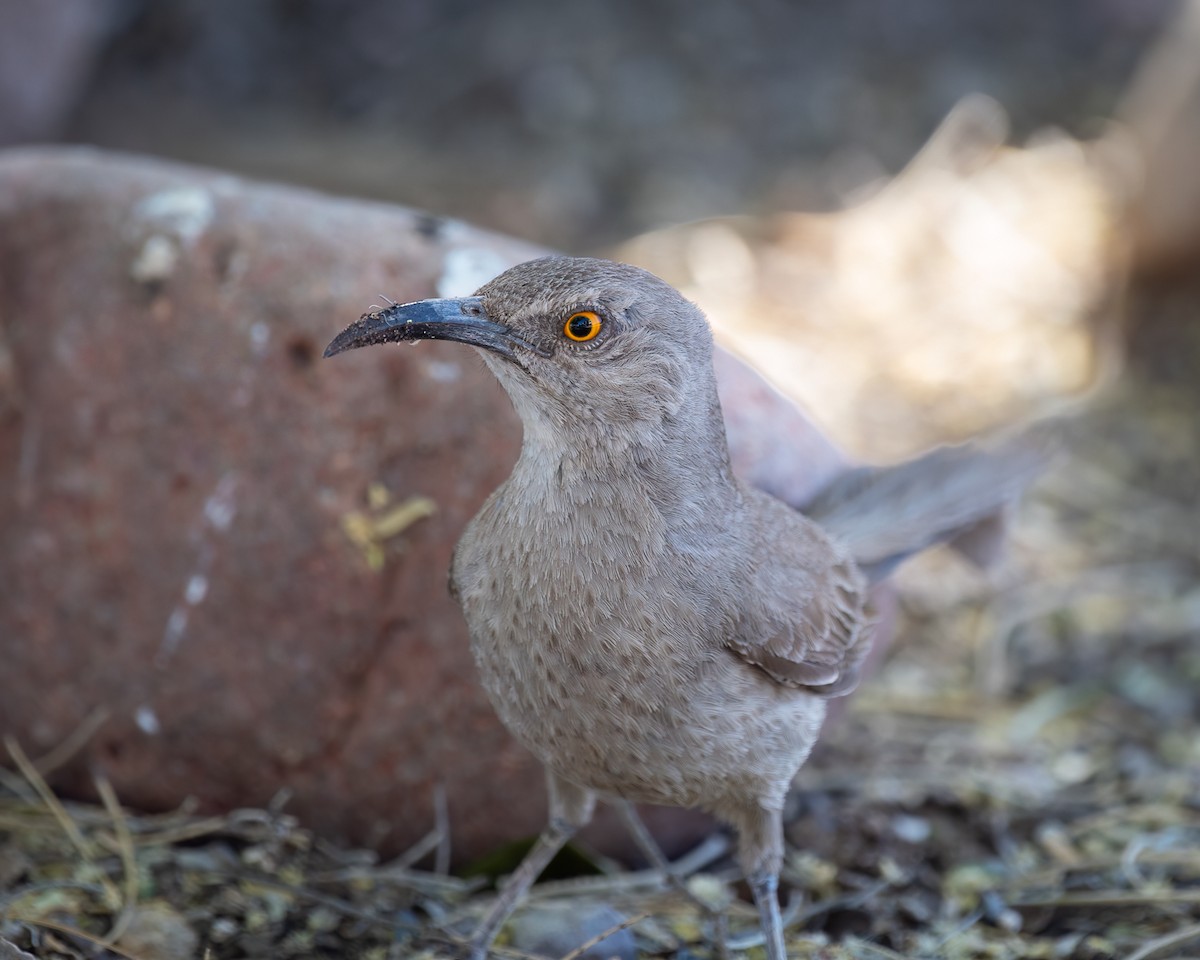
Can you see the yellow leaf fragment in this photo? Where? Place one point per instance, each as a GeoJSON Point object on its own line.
{"type": "Point", "coordinates": [369, 530]}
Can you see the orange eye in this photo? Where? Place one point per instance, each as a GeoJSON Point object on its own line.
{"type": "Point", "coordinates": [582, 326]}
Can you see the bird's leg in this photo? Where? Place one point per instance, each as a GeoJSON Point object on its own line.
{"type": "Point", "coordinates": [653, 853]}
{"type": "Point", "coordinates": [570, 808]}
{"type": "Point", "coordinates": [765, 887]}
{"type": "Point", "coordinates": [551, 840]}
{"type": "Point", "coordinates": [760, 843]}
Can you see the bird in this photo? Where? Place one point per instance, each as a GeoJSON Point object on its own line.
{"type": "Point", "coordinates": [651, 628]}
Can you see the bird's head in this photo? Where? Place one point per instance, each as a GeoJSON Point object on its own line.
{"type": "Point", "coordinates": [572, 340]}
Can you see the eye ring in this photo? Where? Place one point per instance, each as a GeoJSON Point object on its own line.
{"type": "Point", "coordinates": [582, 326]}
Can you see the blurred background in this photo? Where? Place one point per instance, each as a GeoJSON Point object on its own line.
{"type": "Point", "coordinates": [585, 127]}
{"type": "Point", "coordinates": [572, 125]}
{"type": "Point", "coordinates": [923, 220]}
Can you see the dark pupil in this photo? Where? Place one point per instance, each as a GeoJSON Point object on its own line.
{"type": "Point", "coordinates": [581, 326]}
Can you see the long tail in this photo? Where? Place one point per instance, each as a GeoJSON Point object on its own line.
{"type": "Point", "coordinates": [957, 495]}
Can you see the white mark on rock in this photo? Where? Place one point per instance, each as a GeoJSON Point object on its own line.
{"type": "Point", "coordinates": [147, 720]}
{"type": "Point", "coordinates": [260, 336]}
{"type": "Point", "coordinates": [220, 508]}
{"type": "Point", "coordinates": [156, 261]}
{"type": "Point", "coordinates": [168, 223]}
{"type": "Point", "coordinates": [466, 269]}
{"type": "Point", "coordinates": [176, 627]}
{"type": "Point", "coordinates": [196, 589]}
{"type": "Point", "coordinates": [215, 518]}
{"type": "Point", "coordinates": [184, 212]}
{"type": "Point", "coordinates": [443, 371]}
{"type": "Point", "coordinates": [454, 230]}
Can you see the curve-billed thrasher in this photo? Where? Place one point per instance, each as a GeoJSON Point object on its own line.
{"type": "Point", "coordinates": [651, 628]}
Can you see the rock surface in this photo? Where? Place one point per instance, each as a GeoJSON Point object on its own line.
{"type": "Point", "coordinates": [210, 539]}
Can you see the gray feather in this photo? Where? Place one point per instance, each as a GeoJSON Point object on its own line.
{"type": "Point", "coordinates": [884, 515]}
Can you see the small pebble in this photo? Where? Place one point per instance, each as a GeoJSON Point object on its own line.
{"type": "Point", "coordinates": [710, 890]}
{"type": "Point", "coordinates": [158, 932]}
{"type": "Point", "coordinates": [10, 951]}
{"type": "Point", "coordinates": [911, 829]}
{"type": "Point", "coordinates": [555, 929]}
{"type": "Point", "coordinates": [222, 929]}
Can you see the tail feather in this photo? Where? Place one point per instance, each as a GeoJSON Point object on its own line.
{"type": "Point", "coordinates": [887, 514]}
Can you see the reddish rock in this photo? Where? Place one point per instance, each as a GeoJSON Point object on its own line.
{"type": "Point", "coordinates": [179, 470]}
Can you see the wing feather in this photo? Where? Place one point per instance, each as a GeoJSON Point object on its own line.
{"type": "Point", "coordinates": [803, 615]}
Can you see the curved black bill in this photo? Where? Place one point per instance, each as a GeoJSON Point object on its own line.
{"type": "Point", "coordinates": [452, 319]}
